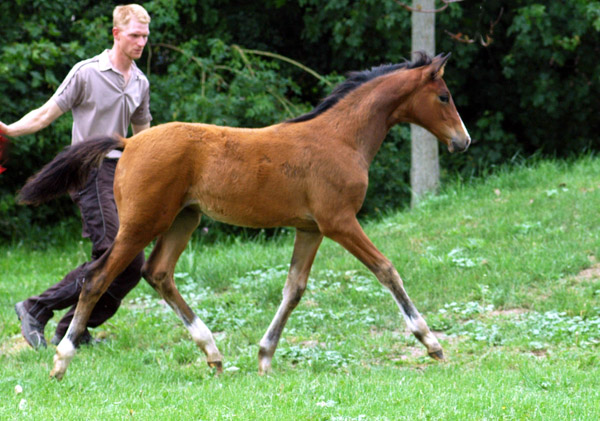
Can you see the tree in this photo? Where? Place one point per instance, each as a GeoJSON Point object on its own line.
{"type": "Point", "coordinates": [425, 167]}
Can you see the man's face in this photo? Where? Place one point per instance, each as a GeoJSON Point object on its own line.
{"type": "Point", "coordinates": [132, 38]}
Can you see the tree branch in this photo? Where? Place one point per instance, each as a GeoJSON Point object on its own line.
{"type": "Point", "coordinates": [419, 10]}
{"type": "Point", "coordinates": [464, 38]}
{"type": "Point", "coordinates": [288, 60]}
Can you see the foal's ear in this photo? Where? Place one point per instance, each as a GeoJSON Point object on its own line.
{"type": "Point", "coordinates": [437, 65]}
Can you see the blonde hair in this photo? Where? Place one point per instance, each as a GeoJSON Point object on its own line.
{"type": "Point", "coordinates": [122, 15]}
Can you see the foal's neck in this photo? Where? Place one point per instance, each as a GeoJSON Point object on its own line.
{"type": "Point", "coordinates": [367, 114]}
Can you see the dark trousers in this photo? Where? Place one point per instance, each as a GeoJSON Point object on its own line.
{"type": "Point", "coordinates": [100, 224]}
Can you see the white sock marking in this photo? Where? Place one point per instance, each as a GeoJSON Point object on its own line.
{"type": "Point", "coordinates": [200, 332]}
{"type": "Point", "coordinates": [65, 349]}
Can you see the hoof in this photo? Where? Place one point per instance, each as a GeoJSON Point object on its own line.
{"type": "Point", "coordinates": [437, 355]}
{"type": "Point", "coordinates": [57, 374]}
{"type": "Point", "coordinates": [264, 365]}
{"type": "Point", "coordinates": [218, 365]}
{"type": "Point", "coordinates": [264, 361]}
{"type": "Point", "coordinates": [263, 371]}
{"type": "Point", "coordinates": [60, 367]}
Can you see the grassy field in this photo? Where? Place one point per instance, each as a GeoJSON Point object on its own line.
{"type": "Point", "coordinates": [504, 270]}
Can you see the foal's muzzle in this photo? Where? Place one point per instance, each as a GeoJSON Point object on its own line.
{"type": "Point", "coordinates": [459, 144]}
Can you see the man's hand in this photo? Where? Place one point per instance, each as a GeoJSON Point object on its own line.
{"type": "Point", "coordinates": [3, 129]}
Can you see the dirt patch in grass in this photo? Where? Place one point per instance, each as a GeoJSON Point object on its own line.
{"type": "Point", "coordinates": [409, 353]}
{"type": "Point", "coordinates": [589, 273]}
{"type": "Point", "coordinates": [14, 345]}
{"type": "Point", "coordinates": [313, 344]}
{"type": "Point", "coordinates": [442, 336]}
{"type": "Point", "coordinates": [508, 312]}
{"type": "Point", "coordinates": [540, 353]}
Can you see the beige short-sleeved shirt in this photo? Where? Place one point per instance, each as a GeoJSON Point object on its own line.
{"type": "Point", "coordinates": [101, 103]}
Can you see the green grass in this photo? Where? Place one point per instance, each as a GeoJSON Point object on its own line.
{"type": "Point", "coordinates": [495, 266]}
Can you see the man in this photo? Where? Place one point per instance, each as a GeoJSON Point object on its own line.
{"type": "Point", "coordinates": [105, 94]}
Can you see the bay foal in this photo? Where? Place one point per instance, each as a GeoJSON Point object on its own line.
{"type": "Point", "coordinates": [310, 173]}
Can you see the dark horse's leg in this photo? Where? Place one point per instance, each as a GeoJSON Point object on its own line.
{"type": "Point", "coordinates": [346, 231]}
{"type": "Point", "coordinates": [305, 249]}
{"type": "Point", "coordinates": [158, 271]}
{"type": "Point", "coordinates": [98, 278]}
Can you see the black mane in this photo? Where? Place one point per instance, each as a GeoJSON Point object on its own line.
{"type": "Point", "coordinates": [355, 79]}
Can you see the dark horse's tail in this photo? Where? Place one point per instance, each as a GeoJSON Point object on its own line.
{"type": "Point", "coordinates": [68, 171]}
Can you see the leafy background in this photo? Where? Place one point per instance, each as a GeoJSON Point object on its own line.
{"type": "Point", "coordinates": [533, 89]}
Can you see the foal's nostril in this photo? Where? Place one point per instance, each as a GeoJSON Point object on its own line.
{"type": "Point", "coordinates": [461, 145]}
{"type": "Point", "coordinates": [457, 146]}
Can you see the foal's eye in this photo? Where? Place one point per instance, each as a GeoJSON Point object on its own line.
{"type": "Point", "coordinates": [444, 98]}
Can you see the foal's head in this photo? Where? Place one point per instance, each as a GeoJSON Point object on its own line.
{"type": "Point", "coordinates": [431, 106]}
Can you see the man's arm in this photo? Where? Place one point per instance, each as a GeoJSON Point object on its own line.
{"type": "Point", "coordinates": [33, 121]}
{"type": "Point", "coordinates": [136, 128]}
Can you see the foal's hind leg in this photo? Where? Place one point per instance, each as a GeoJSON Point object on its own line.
{"type": "Point", "coordinates": [348, 232]}
{"type": "Point", "coordinates": [97, 281]}
{"type": "Point", "coordinates": [305, 249]}
{"type": "Point", "coordinates": [158, 271]}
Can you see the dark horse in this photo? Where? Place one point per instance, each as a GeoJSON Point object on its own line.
{"type": "Point", "coordinates": [310, 173]}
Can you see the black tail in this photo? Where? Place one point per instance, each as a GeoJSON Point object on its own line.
{"type": "Point", "coordinates": [68, 171]}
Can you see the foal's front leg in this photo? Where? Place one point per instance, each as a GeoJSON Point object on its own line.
{"type": "Point", "coordinates": [348, 232]}
{"type": "Point", "coordinates": [305, 249]}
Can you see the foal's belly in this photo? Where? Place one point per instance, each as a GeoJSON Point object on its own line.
{"type": "Point", "coordinates": [256, 212]}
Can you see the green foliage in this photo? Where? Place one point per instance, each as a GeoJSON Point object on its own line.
{"type": "Point", "coordinates": [389, 176]}
{"type": "Point", "coordinates": [562, 48]}
{"type": "Point", "coordinates": [534, 88]}
{"type": "Point", "coordinates": [356, 33]}
{"type": "Point", "coordinates": [227, 87]}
